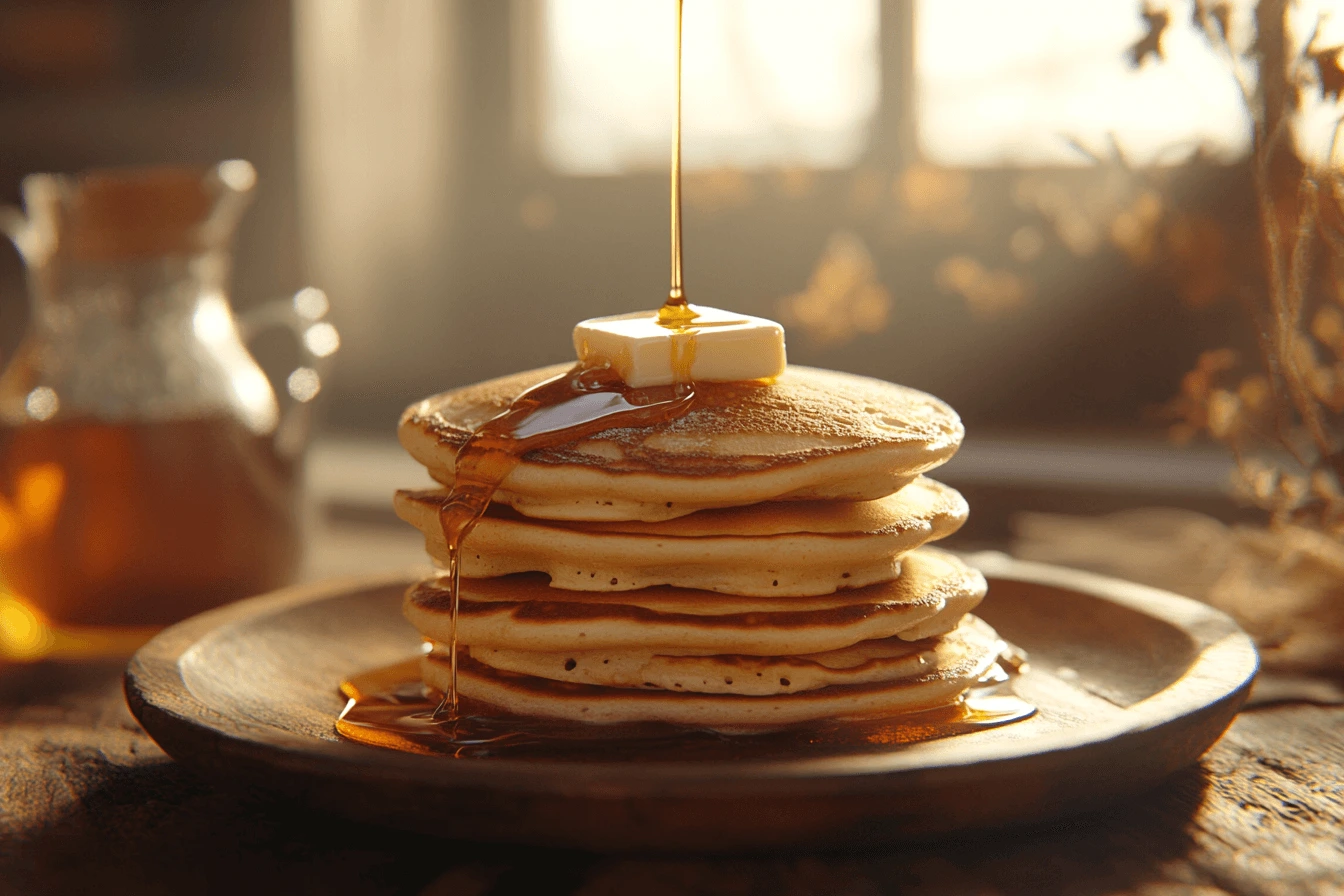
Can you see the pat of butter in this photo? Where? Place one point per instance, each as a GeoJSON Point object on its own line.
{"type": "Point", "coordinates": [714, 346]}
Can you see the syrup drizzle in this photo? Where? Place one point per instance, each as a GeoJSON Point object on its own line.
{"type": "Point", "coordinates": [564, 409]}
{"type": "Point", "coordinates": [572, 406]}
{"type": "Point", "coordinates": [675, 306]}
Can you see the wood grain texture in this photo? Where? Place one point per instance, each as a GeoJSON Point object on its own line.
{"type": "Point", "coordinates": [89, 803]}
{"type": "Point", "coordinates": [1132, 684]}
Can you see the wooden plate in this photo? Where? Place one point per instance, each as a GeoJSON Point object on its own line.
{"type": "Point", "coordinates": [1131, 683]}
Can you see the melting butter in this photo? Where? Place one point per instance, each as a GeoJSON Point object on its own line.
{"type": "Point", "coordinates": [646, 348]}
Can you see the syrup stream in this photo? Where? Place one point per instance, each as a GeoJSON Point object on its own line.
{"type": "Point", "coordinates": [676, 296]}
{"type": "Point", "coordinates": [569, 407]}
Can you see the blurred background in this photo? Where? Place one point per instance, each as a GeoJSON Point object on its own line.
{"type": "Point", "coordinates": [1059, 217]}
{"type": "Point", "coordinates": [971, 197]}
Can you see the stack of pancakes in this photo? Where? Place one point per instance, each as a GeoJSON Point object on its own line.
{"type": "Point", "coordinates": [758, 562]}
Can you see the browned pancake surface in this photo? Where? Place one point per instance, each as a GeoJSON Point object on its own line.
{"type": "Point", "coordinates": [806, 413]}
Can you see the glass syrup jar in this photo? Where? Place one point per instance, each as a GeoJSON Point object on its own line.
{"type": "Point", "coordinates": [147, 471]}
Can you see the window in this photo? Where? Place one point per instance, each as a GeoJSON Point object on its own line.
{"type": "Point", "coordinates": [767, 83]}
{"type": "Point", "coordinates": [1013, 83]}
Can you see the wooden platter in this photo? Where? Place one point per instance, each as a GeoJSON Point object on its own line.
{"type": "Point", "coordinates": [1131, 684]}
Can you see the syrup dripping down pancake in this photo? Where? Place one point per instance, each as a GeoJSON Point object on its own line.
{"type": "Point", "coordinates": [934, 592]}
{"type": "Point", "coordinates": [777, 549]}
{"type": "Point", "coordinates": [811, 434]}
{"type": "Point", "coordinates": [959, 660]}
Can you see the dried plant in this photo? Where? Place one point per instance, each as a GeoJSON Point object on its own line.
{"type": "Point", "coordinates": [1281, 412]}
{"type": "Point", "coordinates": [1283, 417]}
{"type": "Point", "coordinates": [1278, 408]}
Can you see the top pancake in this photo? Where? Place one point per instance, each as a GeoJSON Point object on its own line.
{"type": "Point", "coordinates": [811, 434]}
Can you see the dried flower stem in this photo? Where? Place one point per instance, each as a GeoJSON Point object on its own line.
{"type": "Point", "coordinates": [1294, 406]}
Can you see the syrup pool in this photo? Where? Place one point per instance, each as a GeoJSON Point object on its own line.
{"type": "Point", "coordinates": [390, 707]}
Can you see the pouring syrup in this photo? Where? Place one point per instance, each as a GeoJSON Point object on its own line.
{"type": "Point", "coordinates": [391, 707]}
{"type": "Point", "coordinates": [572, 406]}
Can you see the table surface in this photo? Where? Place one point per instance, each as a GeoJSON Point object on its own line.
{"type": "Point", "coordinates": [88, 803]}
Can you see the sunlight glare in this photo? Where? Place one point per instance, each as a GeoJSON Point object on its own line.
{"type": "Point", "coordinates": [1010, 83]}
{"type": "Point", "coordinates": [767, 83]}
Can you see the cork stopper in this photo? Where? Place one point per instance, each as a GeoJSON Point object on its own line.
{"type": "Point", "coordinates": [120, 214]}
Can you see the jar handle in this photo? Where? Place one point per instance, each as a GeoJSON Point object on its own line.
{"type": "Point", "coordinates": [304, 316]}
{"type": "Point", "coordinates": [14, 224]}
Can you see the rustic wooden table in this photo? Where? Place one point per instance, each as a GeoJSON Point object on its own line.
{"type": "Point", "coordinates": [88, 803]}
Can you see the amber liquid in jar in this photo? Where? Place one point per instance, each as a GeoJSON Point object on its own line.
{"type": "Point", "coordinates": [141, 524]}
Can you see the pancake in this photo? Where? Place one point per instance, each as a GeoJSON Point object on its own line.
{"type": "Point", "coordinates": [810, 434]}
{"type": "Point", "coordinates": [958, 661]}
{"type": "Point", "coordinates": [778, 549]}
{"type": "Point", "coordinates": [887, 659]}
{"type": "Point", "coordinates": [522, 613]}
{"type": "Point", "coordinates": [955, 606]}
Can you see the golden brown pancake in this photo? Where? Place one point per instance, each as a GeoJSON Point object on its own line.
{"type": "Point", "coordinates": [959, 660]}
{"type": "Point", "coordinates": [521, 613]}
{"type": "Point", "coordinates": [886, 659]}
{"type": "Point", "coordinates": [777, 549]}
{"type": "Point", "coordinates": [812, 434]}
{"type": "Point", "coordinates": [759, 562]}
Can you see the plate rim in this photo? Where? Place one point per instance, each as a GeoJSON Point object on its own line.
{"type": "Point", "coordinates": [157, 693]}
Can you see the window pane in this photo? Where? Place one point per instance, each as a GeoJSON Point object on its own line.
{"type": "Point", "coordinates": [767, 83]}
{"type": "Point", "coordinates": [1010, 83]}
